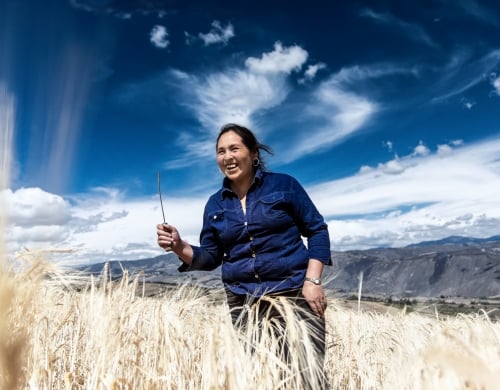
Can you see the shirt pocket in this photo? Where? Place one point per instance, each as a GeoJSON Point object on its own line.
{"type": "Point", "coordinates": [274, 206]}
{"type": "Point", "coordinates": [217, 221]}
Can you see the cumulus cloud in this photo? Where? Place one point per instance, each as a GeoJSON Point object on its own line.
{"type": "Point", "coordinates": [280, 60]}
{"type": "Point", "coordinates": [393, 167]}
{"type": "Point", "coordinates": [33, 206]}
{"type": "Point", "coordinates": [421, 150]}
{"type": "Point", "coordinates": [35, 217]}
{"type": "Point", "coordinates": [311, 72]}
{"type": "Point", "coordinates": [444, 150]}
{"type": "Point", "coordinates": [218, 34]}
{"type": "Point", "coordinates": [159, 37]}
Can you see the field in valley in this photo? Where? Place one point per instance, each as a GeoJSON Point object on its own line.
{"type": "Point", "coordinates": [112, 335]}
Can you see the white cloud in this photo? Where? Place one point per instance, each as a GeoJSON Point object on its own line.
{"type": "Point", "coordinates": [235, 94]}
{"type": "Point", "coordinates": [280, 60]}
{"type": "Point", "coordinates": [389, 145]}
{"type": "Point", "coordinates": [159, 37]}
{"type": "Point", "coordinates": [393, 167]}
{"type": "Point", "coordinates": [469, 105]}
{"type": "Point", "coordinates": [444, 150]}
{"type": "Point", "coordinates": [33, 206]}
{"type": "Point", "coordinates": [335, 110]}
{"type": "Point", "coordinates": [96, 226]}
{"type": "Point", "coordinates": [311, 72]}
{"type": "Point", "coordinates": [421, 150]}
{"type": "Point", "coordinates": [434, 196]}
{"type": "Point", "coordinates": [218, 34]}
{"type": "Point", "coordinates": [431, 197]}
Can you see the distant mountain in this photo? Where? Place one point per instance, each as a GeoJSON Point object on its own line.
{"type": "Point", "coordinates": [452, 267]}
{"type": "Point", "coordinates": [456, 240]}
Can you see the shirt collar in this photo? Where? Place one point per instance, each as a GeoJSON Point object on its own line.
{"type": "Point", "coordinates": [226, 184]}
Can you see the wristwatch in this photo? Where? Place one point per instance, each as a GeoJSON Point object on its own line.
{"type": "Point", "coordinates": [317, 282]}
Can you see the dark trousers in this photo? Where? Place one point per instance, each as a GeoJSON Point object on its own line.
{"type": "Point", "coordinates": [245, 308]}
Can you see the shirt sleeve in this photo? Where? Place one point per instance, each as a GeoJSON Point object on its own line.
{"type": "Point", "coordinates": [208, 256]}
{"type": "Point", "coordinates": [311, 224]}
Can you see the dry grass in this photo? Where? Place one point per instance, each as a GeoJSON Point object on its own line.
{"type": "Point", "coordinates": [107, 337]}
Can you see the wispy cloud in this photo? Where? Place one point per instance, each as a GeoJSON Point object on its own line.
{"type": "Point", "coordinates": [462, 73]}
{"type": "Point", "coordinates": [338, 108]}
{"type": "Point", "coordinates": [413, 31]}
{"type": "Point", "coordinates": [479, 11]}
{"type": "Point", "coordinates": [236, 94]}
{"type": "Point", "coordinates": [122, 10]}
{"type": "Point", "coordinates": [159, 37]}
{"type": "Point", "coordinates": [218, 34]}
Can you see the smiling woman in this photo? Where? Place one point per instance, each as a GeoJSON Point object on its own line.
{"type": "Point", "coordinates": [253, 227]}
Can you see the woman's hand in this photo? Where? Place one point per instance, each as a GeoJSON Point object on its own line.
{"type": "Point", "coordinates": [315, 297]}
{"type": "Point", "coordinates": [169, 238]}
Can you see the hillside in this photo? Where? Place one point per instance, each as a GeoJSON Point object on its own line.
{"type": "Point", "coordinates": [454, 267]}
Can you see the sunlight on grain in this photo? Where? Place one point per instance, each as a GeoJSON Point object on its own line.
{"type": "Point", "coordinates": [72, 331]}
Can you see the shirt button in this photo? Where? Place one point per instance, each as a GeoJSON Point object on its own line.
{"type": "Point", "coordinates": [253, 254]}
{"type": "Point", "coordinates": [256, 276]}
{"type": "Point", "coordinates": [251, 238]}
{"type": "Point", "coordinates": [246, 223]}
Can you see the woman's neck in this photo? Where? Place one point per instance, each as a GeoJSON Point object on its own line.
{"type": "Point", "coordinates": [241, 188]}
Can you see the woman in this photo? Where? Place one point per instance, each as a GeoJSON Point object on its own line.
{"type": "Point", "coordinates": [253, 226]}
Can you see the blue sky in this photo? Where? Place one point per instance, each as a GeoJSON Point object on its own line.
{"type": "Point", "coordinates": [386, 111]}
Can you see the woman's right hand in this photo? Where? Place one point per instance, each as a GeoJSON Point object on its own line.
{"type": "Point", "coordinates": [168, 237]}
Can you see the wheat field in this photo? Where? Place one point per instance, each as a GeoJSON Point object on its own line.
{"type": "Point", "coordinates": [110, 335]}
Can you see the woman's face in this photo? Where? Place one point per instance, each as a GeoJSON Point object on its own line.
{"type": "Point", "coordinates": [234, 158]}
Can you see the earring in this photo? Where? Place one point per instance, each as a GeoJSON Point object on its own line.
{"type": "Point", "coordinates": [256, 162]}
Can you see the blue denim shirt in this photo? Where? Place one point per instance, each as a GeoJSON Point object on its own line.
{"type": "Point", "coordinates": [261, 250]}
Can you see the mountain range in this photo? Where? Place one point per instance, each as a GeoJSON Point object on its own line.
{"type": "Point", "coordinates": [449, 268]}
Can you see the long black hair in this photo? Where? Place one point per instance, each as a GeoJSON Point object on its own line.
{"type": "Point", "coordinates": [249, 140]}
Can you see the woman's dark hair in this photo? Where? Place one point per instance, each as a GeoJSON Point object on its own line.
{"type": "Point", "coordinates": [249, 140]}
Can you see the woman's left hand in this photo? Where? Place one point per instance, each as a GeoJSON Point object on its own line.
{"type": "Point", "coordinates": [315, 297]}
